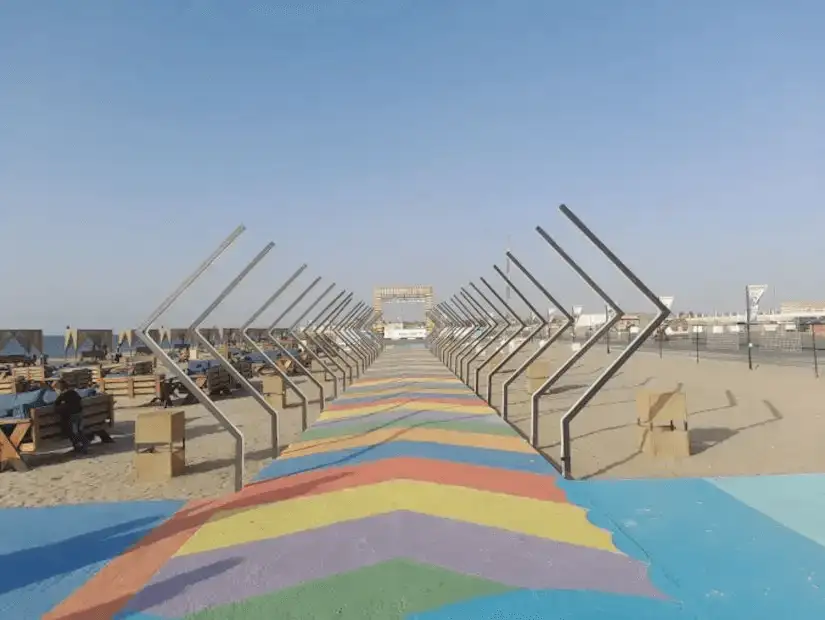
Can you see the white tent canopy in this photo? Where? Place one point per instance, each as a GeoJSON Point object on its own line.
{"type": "Point", "coordinates": [183, 334]}
{"type": "Point", "coordinates": [130, 338]}
{"type": "Point", "coordinates": [76, 338]}
{"type": "Point", "coordinates": [29, 339]}
{"type": "Point", "coordinates": [174, 334]}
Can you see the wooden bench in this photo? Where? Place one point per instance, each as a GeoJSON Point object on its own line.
{"type": "Point", "coordinates": [43, 431]}
{"type": "Point", "coordinates": [215, 381]}
{"type": "Point", "coordinates": [12, 385]}
{"type": "Point", "coordinates": [30, 373]}
{"type": "Point", "coordinates": [131, 386]}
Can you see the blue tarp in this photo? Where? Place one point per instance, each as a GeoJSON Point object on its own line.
{"type": "Point", "coordinates": [19, 405]}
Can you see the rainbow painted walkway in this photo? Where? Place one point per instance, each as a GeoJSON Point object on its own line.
{"type": "Point", "coordinates": [410, 499]}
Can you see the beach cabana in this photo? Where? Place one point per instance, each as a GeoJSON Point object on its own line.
{"type": "Point", "coordinates": [258, 334]}
{"type": "Point", "coordinates": [173, 335]}
{"type": "Point", "coordinates": [231, 336]}
{"type": "Point", "coordinates": [212, 334]}
{"type": "Point", "coordinates": [130, 338]}
{"type": "Point", "coordinates": [29, 339]}
{"type": "Point", "coordinates": [76, 338]}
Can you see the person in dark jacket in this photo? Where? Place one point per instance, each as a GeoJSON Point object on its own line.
{"type": "Point", "coordinates": [69, 405]}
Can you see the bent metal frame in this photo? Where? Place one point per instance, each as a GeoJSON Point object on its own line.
{"type": "Point", "coordinates": [458, 329]}
{"type": "Point", "coordinates": [362, 347]}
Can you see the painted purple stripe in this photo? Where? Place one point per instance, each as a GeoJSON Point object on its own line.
{"type": "Point", "coordinates": [514, 559]}
{"type": "Point", "coordinates": [381, 417]}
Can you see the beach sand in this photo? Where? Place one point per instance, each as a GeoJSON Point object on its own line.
{"type": "Point", "coordinates": [106, 473]}
{"type": "Point", "coordinates": [770, 420]}
{"type": "Point", "coordinates": [767, 421]}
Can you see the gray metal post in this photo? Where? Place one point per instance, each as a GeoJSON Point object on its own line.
{"type": "Point", "coordinates": [317, 331]}
{"type": "Point", "coordinates": [509, 355]}
{"type": "Point", "coordinates": [335, 327]}
{"type": "Point", "coordinates": [349, 351]}
{"type": "Point", "coordinates": [568, 323]}
{"type": "Point", "coordinates": [333, 348]}
{"type": "Point", "coordinates": [447, 326]}
{"type": "Point", "coordinates": [363, 329]}
{"type": "Point", "coordinates": [473, 321]}
{"type": "Point", "coordinates": [542, 323]}
{"type": "Point", "coordinates": [268, 360]}
{"type": "Point", "coordinates": [458, 330]}
{"type": "Point", "coordinates": [469, 321]}
{"type": "Point", "coordinates": [496, 333]}
{"type": "Point", "coordinates": [144, 330]}
{"type": "Point", "coordinates": [431, 336]}
{"type": "Point", "coordinates": [304, 370]}
{"type": "Point", "coordinates": [502, 345]}
{"type": "Point", "coordinates": [194, 328]}
{"type": "Point", "coordinates": [376, 343]}
{"type": "Point", "coordinates": [631, 348]}
{"type": "Point", "coordinates": [340, 330]}
{"type": "Point", "coordinates": [307, 333]}
{"type": "Point", "coordinates": [291, 331]}
{"type": "Point", "coordinates": [486, 327]}
{"type": "Point", "coordinates": [350, 333]}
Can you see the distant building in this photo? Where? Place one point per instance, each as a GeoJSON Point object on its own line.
{"type": "Point", "coordinates": [802, 307]}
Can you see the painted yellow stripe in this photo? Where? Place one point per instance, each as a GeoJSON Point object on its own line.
{"type": "Point", "coordinates": [402, 380]}
{"type": "Point", "coordinates": [387, 435]}
{"type": "Point", "coordinates": [400, 390]}
{"type": "Point", "coordinates": [558, 521]}
{"type": "Point", "coordinates": [413, 405]}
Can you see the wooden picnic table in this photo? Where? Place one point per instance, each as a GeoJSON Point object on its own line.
{"type": "Point", "coordinates": [10, 444]}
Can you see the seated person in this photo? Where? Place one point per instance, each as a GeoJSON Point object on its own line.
{"type": "Point", "coordinates": [69, 405]}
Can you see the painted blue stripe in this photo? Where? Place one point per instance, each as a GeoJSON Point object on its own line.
{"type": "Point", "coordinates": [795, 501]}
{"type": "Point", "coordinates": [457, 454]}
{"type": "Point", "coordinates": [724, 559]}
{"type": "Point", "coordinates": [48, 553]}
{"type": "Point", "coordinates": [558, 605]}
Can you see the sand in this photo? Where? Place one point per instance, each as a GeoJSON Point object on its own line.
{"type": "Point", "coordinates": [767, 421]}
{"type": "Point", "coordinates": [106, 473]}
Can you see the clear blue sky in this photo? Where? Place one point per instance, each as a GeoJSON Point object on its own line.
{"type": "Point", "coordinates": [401, 142]}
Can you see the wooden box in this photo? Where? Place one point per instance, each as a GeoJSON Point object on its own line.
{"type": "Point", "coordinates": [663, 424]}
{"type": "Point", "coordinates": [537, 374]}
{"type": "Point", "coordinates": [160, 445]}
{"type": "Point", "coordinates": [272, 387]}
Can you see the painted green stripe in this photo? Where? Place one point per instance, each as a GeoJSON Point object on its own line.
{"type": "Point", "coordinates": [387, 591]}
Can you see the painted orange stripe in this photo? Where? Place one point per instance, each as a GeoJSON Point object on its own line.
{"type": "Point", "coordinates": [522, 484]}
{"type": "Point", "coordinates": [434, 398]}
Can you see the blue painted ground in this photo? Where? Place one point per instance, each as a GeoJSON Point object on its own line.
{"type": "Point", "coordinates": [47, 553]}
{"type": "Point", "coordinates": [723, 549]}
{"type": "Point", "coordinates": [720, 549]}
